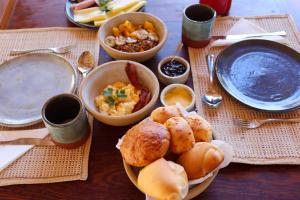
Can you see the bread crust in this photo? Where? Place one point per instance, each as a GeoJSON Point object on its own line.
{"type": "Point", "coordinates": [201, 128]}
{"type": "Point", "coordinates": [182, 138]}
{"type": "Point", "coordinates": [145, 143]}
{"type": "Point", "coordinates": [164, 180]}
{"type": "Point", "coordinates": [162, 114]}
{"type": "Point", "coordinates": [201, 159]}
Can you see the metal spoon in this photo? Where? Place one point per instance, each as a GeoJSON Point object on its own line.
{"type": "Point", "coordinates": [211, 98]}
{"type": "Point", "coordinates": [86, 63]}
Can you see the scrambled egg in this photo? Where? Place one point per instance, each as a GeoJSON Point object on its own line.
{"type": "Point", "coordinates": [118, 99]}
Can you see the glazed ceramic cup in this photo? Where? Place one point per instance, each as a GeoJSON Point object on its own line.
{"type": "Point", "coordinates": [197, 23]}
{"type": "Point", "coordinates": [66, 120]}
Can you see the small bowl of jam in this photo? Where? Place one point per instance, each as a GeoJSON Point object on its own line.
{"type": "Point", "coordinates": [176, 71]}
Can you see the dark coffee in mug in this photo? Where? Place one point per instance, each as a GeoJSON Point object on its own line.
{"type": "Point", "coordinates": [197, 24]}
{"type": "Point", "coordinates": [66, 120]}
{"type": "Point", "coordinates": [199, 13]}
{"type": "Point", "coordinates": [62, 110]}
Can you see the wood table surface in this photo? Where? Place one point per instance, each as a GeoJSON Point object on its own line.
{"type": "Point", "coordinates": [107, 178]}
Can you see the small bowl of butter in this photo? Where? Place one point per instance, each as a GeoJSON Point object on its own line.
{"type": "Point", "coordinates": [178, 93]}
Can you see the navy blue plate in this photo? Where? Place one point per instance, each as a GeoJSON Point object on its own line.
{"type": "Point", "coordinates": [261, 74]}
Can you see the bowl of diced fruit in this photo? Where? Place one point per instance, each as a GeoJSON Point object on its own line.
{"type": "Point", "coordinates": [133, 36]}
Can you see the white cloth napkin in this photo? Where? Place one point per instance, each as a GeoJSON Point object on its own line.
{"type": "Point", "coordinates": [10, 153]}
{"type": "Point", "coordinates": [244, 26]}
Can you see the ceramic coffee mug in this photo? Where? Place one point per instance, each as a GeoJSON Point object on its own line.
{"type": "Point", "coordinates": [66, 120]}
{"type": "Point", "coordinates": [197, 23]}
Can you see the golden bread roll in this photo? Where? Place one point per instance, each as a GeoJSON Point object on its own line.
{"type": "Point", "coordinates": [164, 180]}
{"type": "Point", "coordinates": [201, 128]}
{"type": "Point", "coordinates": [182, 138]}
{"type": "Point", "coordinates": [162, 114]}
{"type": "Point", "coordinates": [144, 143]}
{"type": "Point", "coordinates": [201, 159]}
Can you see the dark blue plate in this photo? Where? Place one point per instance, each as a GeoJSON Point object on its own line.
{"type": "Point", "coordinates": [261, 74]}
{"type": "Point", "coordinates": [70, 16]}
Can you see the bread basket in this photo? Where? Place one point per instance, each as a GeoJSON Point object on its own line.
{"type": "Point", "coordinates": [195, 190]}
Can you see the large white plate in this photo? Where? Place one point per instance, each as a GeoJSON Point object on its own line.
{"type": "Point", "coordinates": [27, 81]}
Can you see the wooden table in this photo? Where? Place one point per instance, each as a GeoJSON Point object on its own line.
{"type": "Point", "coordinates": [107, 178]}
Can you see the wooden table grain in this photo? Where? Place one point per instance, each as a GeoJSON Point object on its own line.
{"type": "Point", "coordinates": [107, 179]}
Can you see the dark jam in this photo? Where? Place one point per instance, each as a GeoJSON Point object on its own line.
{"type": "Point", "coordinates": [173, 68]}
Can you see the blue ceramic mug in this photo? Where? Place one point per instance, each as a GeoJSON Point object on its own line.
{"type": "Point", "coordinates": [197, 23]}
{"type": "Point", "coordinates": [65, 118]}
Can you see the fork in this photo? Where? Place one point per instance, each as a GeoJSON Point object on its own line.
{"type": "Point", "coordinates": [58, 50]}
{"type": "Point", "coordinates": [257, 123]}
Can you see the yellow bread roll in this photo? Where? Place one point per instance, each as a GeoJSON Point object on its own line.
{"type": "Point", "coordinates": [144, 143]}
{"type": "Point", "coordinates": [162, 114]}
{"type": "Point", "coordinates": [201, 128]}
{"type": "Point", "coordinates": [201, 159]}
{"type": "Point", "coordinates": [182, 138]}
{"type": "Point", "coordinates": [163, 180]}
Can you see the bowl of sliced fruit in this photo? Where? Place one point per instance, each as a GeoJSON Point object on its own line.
{"type": "Point", "coordinates": [133, 36]}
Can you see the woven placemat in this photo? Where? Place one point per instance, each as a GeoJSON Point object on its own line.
{"type": "Point", "coordinates": [275, 143]}
{"type": "Point", "coordinates": [48, 164]}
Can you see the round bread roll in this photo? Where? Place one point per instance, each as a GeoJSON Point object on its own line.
{"type": "Point", "coordinates": [201, 159]}
{"type": "Point", "coordinates": [163, 180]}
{"type": "Point", "coordinates": [182, 138]}
{"type": "Point", "coordinates": [144, 143]}
{"type": "Point", "coordinates": [162, 114]}
{"type": "Point", "coordinates": [201, 128]}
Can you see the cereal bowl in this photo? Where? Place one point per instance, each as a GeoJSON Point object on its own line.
{"type": "Point", "coordinates": [135, 18]}
{"type": "Point", "coordinates": [109, 73]}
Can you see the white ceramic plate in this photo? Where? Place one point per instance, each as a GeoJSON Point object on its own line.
{"type": "Point", "coordinates": [27, 81]}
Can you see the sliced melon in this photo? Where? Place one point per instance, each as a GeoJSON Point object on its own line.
{"type": "Point", "coordinates": [94, 15]}
{"type": "Point", "coordinates": [122, 5]}
{"type": "Point", "coordinates": [136, 7]}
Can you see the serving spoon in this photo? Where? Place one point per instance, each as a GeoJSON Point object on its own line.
{"type": "Point", "coordinates": [211, 98]}
{"type": "Point", "coordinates": [86, 63]}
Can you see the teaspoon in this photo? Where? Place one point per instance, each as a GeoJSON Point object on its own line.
{"type": "Point", "coordinates": [211, 98]}
{"type": "Point", "coordinates": [86, 63]}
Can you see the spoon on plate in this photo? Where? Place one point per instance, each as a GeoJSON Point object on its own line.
{"type": "Point", "coordinates": [211, 98]}
{"type": "Point", "coordinates": [86, 63]}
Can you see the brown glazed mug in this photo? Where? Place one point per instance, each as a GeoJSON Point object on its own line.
{"type": "Point", "coordinates": [65, 118]}
{"type": "Point", "coordinates": [197, 23]}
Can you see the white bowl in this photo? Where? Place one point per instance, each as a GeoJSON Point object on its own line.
{"type": "Point", "coordinates": [165, 79]}
{"type": "Point", "coordinates": [169, 87]}
{"type": "Point", "coordinates": [111, 72]}
{"type": "Point", "coordinates": [135, 18]}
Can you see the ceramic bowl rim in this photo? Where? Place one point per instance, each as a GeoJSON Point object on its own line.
{"type": "Point", "coordinates": [171, 86]}
{"type": "Point", "coordinates": [124, 15]}
{"type": "Point", "coordinates": [178, 58]}
{"type": "Point", "coordinates": [154, 95]}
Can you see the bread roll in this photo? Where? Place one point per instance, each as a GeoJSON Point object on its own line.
{"type": "Point", "coordinates": [144, 143]}
{"type": "Point", "coordinates": [164, 180]}
{"type": "Point", "coordinates": [201, 159]}
{"type": "Point", "coordinates": [201, 128]}
{"type": "Point", "coordinates": [162, 114]}
{"type": "Point", "coordinates": [182, 138]}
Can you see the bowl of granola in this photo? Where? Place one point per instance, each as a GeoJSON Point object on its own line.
{"type": "Point", "coordinates": [133, 36]}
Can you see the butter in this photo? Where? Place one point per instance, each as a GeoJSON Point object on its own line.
{"type": "Point", "coordinates": [178, 95]}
